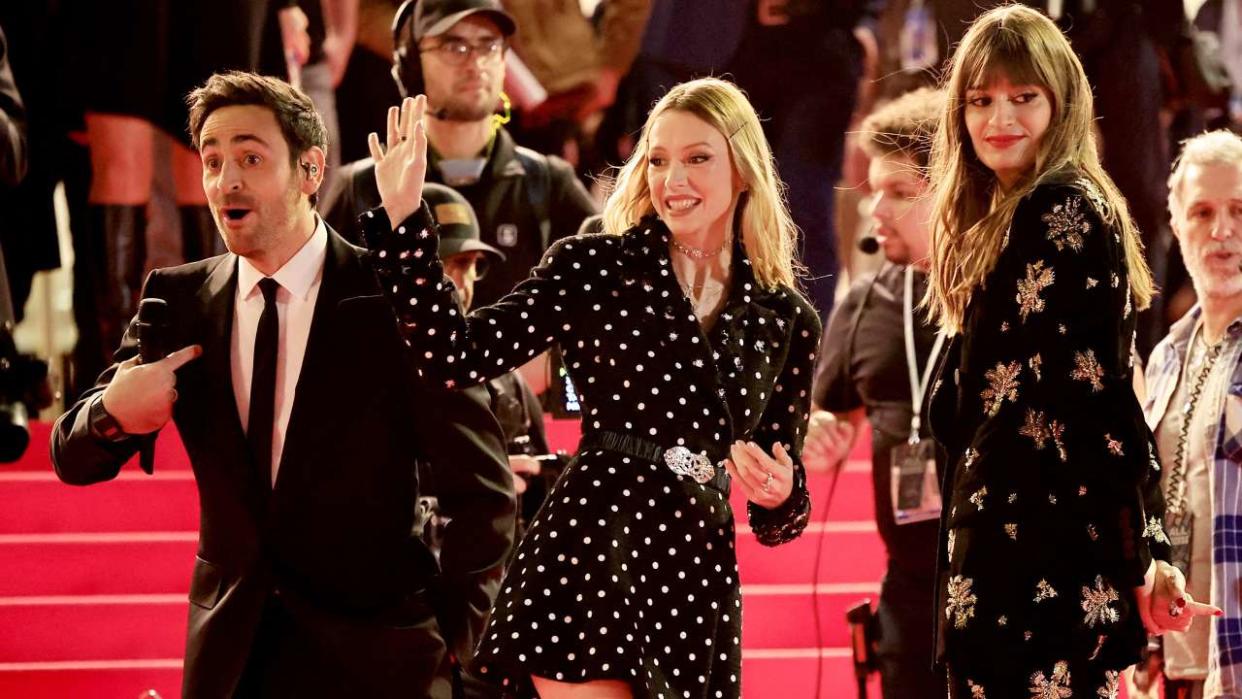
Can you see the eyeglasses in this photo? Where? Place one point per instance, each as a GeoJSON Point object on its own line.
{"type": "Point", "coordinates": [460, 263]}
{"type": "Point", "coordinates": [455, 51]}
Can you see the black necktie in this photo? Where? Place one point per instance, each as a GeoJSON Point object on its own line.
{"type": "Point", "coordinates": [263, 384]}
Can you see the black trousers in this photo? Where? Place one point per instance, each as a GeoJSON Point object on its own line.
{"type": "Point", "coordinates": [904, 649]}
{"type": "Point", "coordinates": [294, 655]}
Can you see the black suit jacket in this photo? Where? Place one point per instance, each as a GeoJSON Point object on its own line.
{"type": "Point", "coordinates": [336, 538]}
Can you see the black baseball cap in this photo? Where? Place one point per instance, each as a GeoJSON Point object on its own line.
{"type": "Point", "coordinates": [459, 227]}
{"type": "Point", "coordinates": [434, 17]}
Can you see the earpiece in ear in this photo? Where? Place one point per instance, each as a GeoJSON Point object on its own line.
{"type": "Point", "coordinates": [506, 114]}
{"type": "Point", "coordinates": [310, 169]}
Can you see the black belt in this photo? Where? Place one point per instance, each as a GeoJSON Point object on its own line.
{"type": "Point", "coordinates": [640, 448]}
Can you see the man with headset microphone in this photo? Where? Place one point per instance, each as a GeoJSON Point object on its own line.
{"type": "Point", "coordinates": [876, 361]}
{"type": "Point", "coordinates": [454, 52]}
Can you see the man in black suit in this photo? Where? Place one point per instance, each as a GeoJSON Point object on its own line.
{"type": "Point", "coordinates": [304, 426]}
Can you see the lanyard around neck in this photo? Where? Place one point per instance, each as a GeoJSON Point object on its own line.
{"type": "Point", "coordinates": [918, 387]}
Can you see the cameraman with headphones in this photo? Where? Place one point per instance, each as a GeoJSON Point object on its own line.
{"type": "Point", "coordinates": [454, 52]}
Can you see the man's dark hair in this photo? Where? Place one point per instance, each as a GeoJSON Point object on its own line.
{"type": "Point", "coordinates": [300, 124]}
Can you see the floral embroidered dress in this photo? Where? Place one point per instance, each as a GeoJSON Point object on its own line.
{"type": "Point", "coordinates": [629, 570]}
{"type": "Point", "coordinates": [1053, 508]}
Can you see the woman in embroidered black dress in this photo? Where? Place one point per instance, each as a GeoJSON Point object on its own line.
{"type": "Point", "coordinates": [1053, 514]}
{"type": "Point", "coordinates": [693, 355]}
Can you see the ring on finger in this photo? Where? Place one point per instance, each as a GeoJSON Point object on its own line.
{"type": "Point", "coordinates": [1174, 609]}
{"type": "Point", "coordinates": [767, 483]}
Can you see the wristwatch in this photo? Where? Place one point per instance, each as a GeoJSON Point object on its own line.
{"type": "Point", "coordinates": [102, 424]}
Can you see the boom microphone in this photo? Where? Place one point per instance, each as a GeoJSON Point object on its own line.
{"type": "Point", "coordinates": [868, 245]}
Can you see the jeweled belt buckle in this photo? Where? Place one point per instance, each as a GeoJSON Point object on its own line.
{"type": "Point", "coordinates": [685, 462]}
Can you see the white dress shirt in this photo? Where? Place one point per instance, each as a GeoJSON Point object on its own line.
{"type": "Point", "coordinates": [299, 281]}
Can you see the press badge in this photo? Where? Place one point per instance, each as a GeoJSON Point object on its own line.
{"type": "Point", "coordinates": [915, 488]}
{"type": "Point", "coordinates": [913, 484]}
{"type": "Point", "coordinates": [1179, 528]}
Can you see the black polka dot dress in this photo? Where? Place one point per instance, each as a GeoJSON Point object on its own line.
{"type": "Point", "coordinates": [629, 571]}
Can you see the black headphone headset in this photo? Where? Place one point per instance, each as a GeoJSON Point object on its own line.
{"type": "Point", "coordinates": [406, 65]}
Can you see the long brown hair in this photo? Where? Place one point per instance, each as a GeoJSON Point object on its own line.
{"type": "Point", "coordinates": [971, 214]}
{"type": "Point", "coordinates": [766, 226]}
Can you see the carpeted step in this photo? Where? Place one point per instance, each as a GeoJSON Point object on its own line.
{"type": "Point", "coordinates": [783, 616]}
{"type": "Point", "coordinates": [36, 502]}
{"type": "Point", "coordinates": [160, 562]}
{"type": "Point", "coordinates": [848, 552]}
{"type": "Point", "coordinates": [776, 673]}
{"type": "Point", "coordinates": [152, 625]}
{"type": "Point", "coordinates": [96, 564]}
{"type": "Point", "coordinates": [111, 679]}
{"type": "Point", "coordinates": [92, 627]}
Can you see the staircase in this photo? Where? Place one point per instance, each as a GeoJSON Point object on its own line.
{"type": "Point", "coordinates": [93, 582]}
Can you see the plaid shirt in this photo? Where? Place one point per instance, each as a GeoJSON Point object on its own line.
{"type": "Point", "coordinates": [1163, 372]}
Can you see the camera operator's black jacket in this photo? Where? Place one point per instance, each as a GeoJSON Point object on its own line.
{"type": "Point", "coordinates": [334, 542]}
{"type": "Point", "coordinates": [525, 201]}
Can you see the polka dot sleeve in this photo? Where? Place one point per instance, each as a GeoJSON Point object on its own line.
{"type": "Point", "coordinates": [446, 345]}
{"type": "Point", "coordinates": [785, 421]}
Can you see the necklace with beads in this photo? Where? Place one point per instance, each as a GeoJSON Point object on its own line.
{"type": "Point", "coordinates": [1175, 494]}
{"type": "Point", "coordinates": [697, 253]}
{"type": "Point", "coordinates": [690, 289]}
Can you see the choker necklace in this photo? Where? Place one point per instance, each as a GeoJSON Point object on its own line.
{"type": "Point", "coordinates": [696, 253]}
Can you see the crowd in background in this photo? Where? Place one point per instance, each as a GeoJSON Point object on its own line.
{"type": "Point", "coordinates": [577, 81]}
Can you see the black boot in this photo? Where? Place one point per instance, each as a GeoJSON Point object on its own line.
{"type": "Point", "coordinates": [200, 238]}
{"type": "Point", "coordinates": [116, 252]}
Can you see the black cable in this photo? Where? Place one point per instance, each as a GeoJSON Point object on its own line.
{"type": "Point", "coordinates": [832, 489]}
{"type": "Point", "coordinates": [819, 551]}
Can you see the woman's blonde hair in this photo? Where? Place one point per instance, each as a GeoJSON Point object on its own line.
{"type": "Point", "coordinates": [970, 214]}
{"type": "Point", "coordinates": [766, 227]}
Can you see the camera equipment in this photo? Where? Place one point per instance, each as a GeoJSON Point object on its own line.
{"type": "Point", "coordinates": [862, 629]}
{"type": "Point", "coordinates": [24, 390]}
{"type": "Point", "coordinates": [561, 398]}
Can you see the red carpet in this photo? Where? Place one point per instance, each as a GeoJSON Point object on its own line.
{"type": "Point", "coordinates": [94, 582]}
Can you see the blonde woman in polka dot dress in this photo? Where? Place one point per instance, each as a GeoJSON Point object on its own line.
{"type": "Point", "coordinates": [692, 351]}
